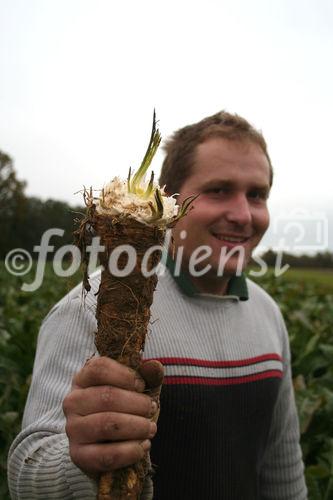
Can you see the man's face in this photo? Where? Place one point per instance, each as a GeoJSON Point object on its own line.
{"type": "Point", "coordinates": [232, 180]}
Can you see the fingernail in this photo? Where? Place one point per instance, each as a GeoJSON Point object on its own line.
{"type": "Point", "coordinates": [146, 444]}
{"type": "Point", "coordinates": [154, 407]}
{"type": "Point", "coordinates": [139, 384]}
{"type": "Point", "coordinates": [153, 429]}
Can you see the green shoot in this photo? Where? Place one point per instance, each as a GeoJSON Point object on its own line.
{"type": "Point", "coordinates": [155, 139]}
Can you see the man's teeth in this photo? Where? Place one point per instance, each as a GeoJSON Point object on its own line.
{"type": "Point", "coordinates": [229, 238]}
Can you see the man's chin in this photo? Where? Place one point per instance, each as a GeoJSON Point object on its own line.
{"type": "Point", "coordinates": [232, 266]}
{"type": "Point", "coordinates": [229, 270]}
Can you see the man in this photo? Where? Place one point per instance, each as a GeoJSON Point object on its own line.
{"type": "Point", "coordinates": [228, 426]}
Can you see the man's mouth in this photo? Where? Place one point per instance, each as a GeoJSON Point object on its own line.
{"type": "Point", "coordinates": [231, 239]}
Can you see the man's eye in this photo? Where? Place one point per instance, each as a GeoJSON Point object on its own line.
{"type": "Point", "coordinates": [258, 195]}
{"type": "Point", "coordinates": [220, 190]}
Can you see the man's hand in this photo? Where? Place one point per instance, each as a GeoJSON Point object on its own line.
{"type": "Point", "coordinates": [108, 414]}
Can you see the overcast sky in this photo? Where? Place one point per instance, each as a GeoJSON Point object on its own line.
{"type": "Point", "coordinates": [80, 78]}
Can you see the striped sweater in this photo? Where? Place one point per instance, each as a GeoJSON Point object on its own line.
{"type": "Point", "coordinates": [228, 427]}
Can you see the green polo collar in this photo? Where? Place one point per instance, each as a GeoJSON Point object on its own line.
{"type": "Point", "coordinates": [237, 286]}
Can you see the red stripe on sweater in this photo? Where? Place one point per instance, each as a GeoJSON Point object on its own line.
{"type": "Point", "coordinates": [172, 380]}
{"type": "Point", "coordinates": [219, 364]}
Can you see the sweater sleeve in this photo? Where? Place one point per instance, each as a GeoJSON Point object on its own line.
{"type": "Point", "coordinates": [39, 464]}
{"type": "Point", "coordinates": [282, 473]}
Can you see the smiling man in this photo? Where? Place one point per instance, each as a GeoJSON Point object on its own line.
{"type": "Point", "coordinates": [228, 422]}
{"type": "Point", "coordinates": [228, 427]}
{"type": "Point", "coordinates": [232, 181]}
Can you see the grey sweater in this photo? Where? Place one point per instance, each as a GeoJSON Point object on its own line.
{"type": "Point", "coordinates": [228, 427]}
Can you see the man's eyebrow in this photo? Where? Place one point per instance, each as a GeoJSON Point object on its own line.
{"type": "Point", "coordinates": [216, 183]}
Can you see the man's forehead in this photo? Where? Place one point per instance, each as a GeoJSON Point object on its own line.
{"type": "Point", "coordinates": [229, 148]}
{"type": "Point", "coordinates": [224, 152]}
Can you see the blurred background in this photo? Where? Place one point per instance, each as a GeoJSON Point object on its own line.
{"type": "Point", "coordinates": [79, 80]}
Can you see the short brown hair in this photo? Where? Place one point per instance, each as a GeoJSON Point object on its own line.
{"type": "Point", "coordinates": [180, 147]}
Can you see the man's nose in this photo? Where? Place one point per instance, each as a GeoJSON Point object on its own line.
{"type": "Point", "coordinates": [239, 210]}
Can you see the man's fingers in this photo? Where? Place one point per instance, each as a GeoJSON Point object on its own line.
{"type": "Point", "coordinates": [109, 426]}
{"type": "Point", "coordinates": [98, 458]}
{"type": "Point", "coordinates": [109, 412]}
{"type": "Point", "coordinates": [152, 371]}
{"type": "Point", "coordinates": [105, 398]}
{"type": "Point", "coordinates": [106, 371]}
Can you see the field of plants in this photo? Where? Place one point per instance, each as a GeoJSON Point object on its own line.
{"type": "Point", "coordinates": [306, 300]}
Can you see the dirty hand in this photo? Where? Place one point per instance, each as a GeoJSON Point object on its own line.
{"type": "Point", "coordinates": [108, 414]}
